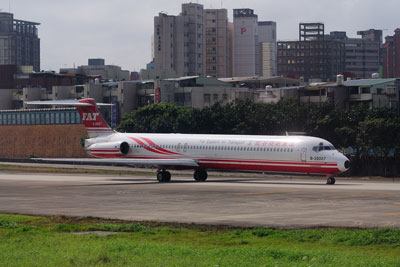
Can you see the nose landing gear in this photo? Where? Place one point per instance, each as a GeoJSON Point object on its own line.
{"type": "Point", "coordinates": [330, 180]}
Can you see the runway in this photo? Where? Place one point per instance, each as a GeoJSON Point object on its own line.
{"type": "Point", "coordinates": [227, 199]}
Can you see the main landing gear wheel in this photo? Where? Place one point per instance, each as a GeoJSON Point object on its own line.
{"type": "Point", "coordinates": [331, 180]}
{"type": "Point", "coordinates": [200, 175]}
{"type": "Point", "coordinates": [164, 176]}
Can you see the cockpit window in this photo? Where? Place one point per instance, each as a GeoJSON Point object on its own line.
{"type": "Point", "coordinates": [321, 147]}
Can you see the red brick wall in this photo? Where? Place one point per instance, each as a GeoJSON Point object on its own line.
{"type": "Point", "coordinates": [44, 141]}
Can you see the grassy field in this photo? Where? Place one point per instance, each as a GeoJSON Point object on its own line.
{"type": "Point", "coordinates": [64, 241]}
{"type": "Point", "coordinates": [34, 169]}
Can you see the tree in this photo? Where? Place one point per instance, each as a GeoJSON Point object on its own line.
{"type": "Point", "coordinates": [158, 118]}
{"type": "Point", "coordinates": [380, 133]}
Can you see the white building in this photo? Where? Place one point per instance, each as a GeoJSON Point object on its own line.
{"type": "Point", "coordinates": [179, 41]}
{"type": "Point", "coordinates": [254, 44]}
{"type": "Point", "coordinates": [268, 48]}
{"type": "Point", "coordinates": [218, 43]}
{"type": "Point", "coordinates": [245, 42]}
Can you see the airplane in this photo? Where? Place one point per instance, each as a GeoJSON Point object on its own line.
{"type": "Point", "coordinates": [276, 154]}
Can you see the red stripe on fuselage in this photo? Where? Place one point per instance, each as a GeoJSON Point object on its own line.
{"type": "Point", "coordinates": [157, 147]}
{"type": "Point", "coordinates": [146, 146]}
{"type": "Point", "coordinates": [106, 156]}
{"type": "Point", "coordinates": [271, 162]}
{"type": "Point", "coordinates": [270, 168]}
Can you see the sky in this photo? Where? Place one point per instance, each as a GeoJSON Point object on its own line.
{"type": "Point", "coordinates": [120, 30]}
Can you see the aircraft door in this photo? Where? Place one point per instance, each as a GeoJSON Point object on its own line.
{"type": "Point", "coordinates": [303, 154]}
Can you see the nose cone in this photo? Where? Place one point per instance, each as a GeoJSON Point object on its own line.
{"type": "Point", "coordinates": [347, 164]}
{"type": "Point", "coordinates": [344, 164]}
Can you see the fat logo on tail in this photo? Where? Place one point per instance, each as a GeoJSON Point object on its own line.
{"type": "Point", "coordinates": [92, 119]}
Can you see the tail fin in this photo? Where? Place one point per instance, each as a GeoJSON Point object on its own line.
{"type": "Point", "coordinates": [90, 115]}
{"type": "Point", "coordinates": [92, 119]}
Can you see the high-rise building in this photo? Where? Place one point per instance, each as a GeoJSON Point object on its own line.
{"type": "Point", "coordinates": [268, 48]}
{"type": "Point", "coordinates": [391, 56]}
{"type": "Point", "coordinates": [194, 18]}
{"type": "Point", "coordinates": [246, 45]}
{"type": "Point", "coordinates": [218, 43]}
{"type": "Point", "coordinates": [255, 46]}
{"type": "Point", "coordinates": [179, 41]}
{"type": "Point", "coordinates": [164, 42]}
{"type": "Point", "coordinates": [363, 55]}
{"type": "Point", "coordinates": [19, 42]}
{"type": "Point", "coordinates": [313, 57]}
{"type": "Point", "coordinates": [376, 36]}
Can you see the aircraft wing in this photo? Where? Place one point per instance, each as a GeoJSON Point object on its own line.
{"type": "Point", "coordinates": [148, 162]}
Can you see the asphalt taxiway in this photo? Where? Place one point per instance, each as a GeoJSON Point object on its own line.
{"type": "Point", "coordinates": [228, 199]}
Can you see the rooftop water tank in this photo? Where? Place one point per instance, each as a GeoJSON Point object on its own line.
{"type": "Point", "coordinates": [375, 75]}
{"type": "Point", "coordinates": [339, 79]}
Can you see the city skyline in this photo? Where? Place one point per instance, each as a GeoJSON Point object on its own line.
{"type": "Point", "coordinates": [121, 35]}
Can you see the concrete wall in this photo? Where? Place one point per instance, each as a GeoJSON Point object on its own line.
{"type": "Point", "coordinates": [47, 141]}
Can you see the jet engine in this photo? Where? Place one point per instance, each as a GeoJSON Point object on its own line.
{"type": "Point", "coordinates": [109, 147]}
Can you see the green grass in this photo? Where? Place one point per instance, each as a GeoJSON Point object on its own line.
{"type": "Point", "coordinates": [14, 168]}
{"type": "Point", "coordinates": [53, 241]}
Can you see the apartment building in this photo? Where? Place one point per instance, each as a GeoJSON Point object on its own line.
{"type": "Point", "coordinates": [363, 55]}
{"type": "Point", "coordinates": [19, 42]}
{"type": "Point", "coordinates": [179, 42]}
{"type": "Point", "coordinates": [312, 58]}
{"type": "Point", "coordinates": [218, 43]}
{"type": "Point", "coordinates": [391, 55]}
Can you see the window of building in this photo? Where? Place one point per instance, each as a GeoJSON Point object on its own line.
{"type": "Point", "coordinates": [353, 90]}
{"type": "Point", "coordinates": [366, 90]}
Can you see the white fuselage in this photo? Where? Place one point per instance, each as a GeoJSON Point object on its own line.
{"type": "Point", "coordinates": [288, 154]}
